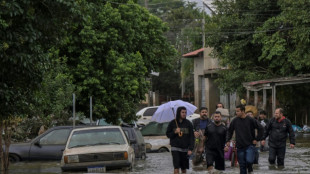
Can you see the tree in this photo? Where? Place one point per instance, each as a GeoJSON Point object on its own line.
{"type": "Point", "coordinates": [258, 40]}
{"type": "Point", "coordinates": [111, 49]}
{"type": "Point", "coordinates": [239, 42]}
{"type": "Point", "coordinates": [28, 29]}
{"type": "Point", "coordinates": [184, 20]}
{"type": "Point", "coordinates": [285, 39]}
{"type": "Point", "coordinates": [53, 100]}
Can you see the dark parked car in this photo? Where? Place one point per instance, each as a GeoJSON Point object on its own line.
{"type": "Point", "coordinates": [47, 146]}
{"type": "Point", "coordinates": [134, 135]}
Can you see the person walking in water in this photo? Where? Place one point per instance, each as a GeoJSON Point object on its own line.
{"type": "Point", "coordinates": [199, 125]}
{"type": "Point", "coordinates": [215, 135]}
{"type": "Point", "coordinates": [181, 135]}
{"type": "Point", "coordinates": [278, 129]}
{"type": "Point", "coordinates": [244, 127]}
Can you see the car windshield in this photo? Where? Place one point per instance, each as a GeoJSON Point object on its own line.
{"type": "Point", "coordinates": [102, 122]}
{"type": "Point", "coordinates": [155, 129]}
{"type": "Point", "coordinates": [94, 137]}
{"type": "Point", "coordinates": [149, 112]}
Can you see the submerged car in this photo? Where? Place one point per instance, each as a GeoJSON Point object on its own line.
{"type": "Point", "coordinates": [47, 146]}
{"type": "Point", "coordinates": [155, 134]}
{"type": "Point", "coordinates": [137, 141]}
{"type": "Point", "coordinates": [133, 134]}
{"type": "Point", "coordinates": [96, 149]}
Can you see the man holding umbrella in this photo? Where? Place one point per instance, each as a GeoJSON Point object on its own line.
{"type": "Point", "coordinates": [181, 134]}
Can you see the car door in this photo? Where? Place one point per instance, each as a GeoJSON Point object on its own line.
{"type": "Point", "coordinates": [50, 146]}
{"type": "Point", "coordinates": [140, 142]}
{"type": "Point", "coordinates": [131, 136]}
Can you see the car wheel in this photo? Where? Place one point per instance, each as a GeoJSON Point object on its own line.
{"type": "Point", "coordinates": [162, 149]}
{"type": "Point", "coordinates": [13, 158]}
{"type": "Point", "coordinates": [130, 168]}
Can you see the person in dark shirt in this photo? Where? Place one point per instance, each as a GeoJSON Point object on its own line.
{"type": "Point", "coordinates": [199, 125]}
{"type": "Point", "coordinates": [181, 134]}
{"type": "Point", "coordinates": [277, 130]}
{"type": "Point", "coordinates": [201, 122]}
{"type": "Point", "coordinates": [263, 120]}
{"type": "Point", "coordinates": [215, 135]}
{"type": "Point", "coordinates": [244, 127]}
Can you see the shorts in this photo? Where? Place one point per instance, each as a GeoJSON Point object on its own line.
{"type": "Point", "coordinates": [215, 156]}
{"type": "Point", "coordinates": [180, 160]}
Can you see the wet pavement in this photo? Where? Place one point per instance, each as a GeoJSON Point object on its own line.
{"type": "Point", "coordinates": [296, 161]}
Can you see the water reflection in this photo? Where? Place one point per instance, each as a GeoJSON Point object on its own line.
{"type": "Point", "coordinates": [296, 161]}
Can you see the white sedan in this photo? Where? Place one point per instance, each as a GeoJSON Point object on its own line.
{"type": "Point", "coordinates": [95, 149]}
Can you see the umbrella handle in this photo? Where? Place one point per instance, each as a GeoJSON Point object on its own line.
{"type": "Point", "coordinates": [175, 119]}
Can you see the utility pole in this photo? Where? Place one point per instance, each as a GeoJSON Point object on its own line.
{"type": "Point", "coordinates": [91, 110]}
{"type": "Point", "coordinates": [73, 113]}
{"type": "Point", "coordinates": [146, 3]}
{"type": "Point", "coordinates": [203, 28]}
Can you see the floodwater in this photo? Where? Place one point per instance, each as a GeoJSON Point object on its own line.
{"type": "Point", "coordinates": [297, 160]}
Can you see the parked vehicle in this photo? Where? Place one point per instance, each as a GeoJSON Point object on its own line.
{"type": "Point", "coordinates": [155, 134]}
{"type": "Point", "coordinates": [47, 146]}
{"type": "Point", "coordinates": [137, 141]}
{"type": "Point", "coordinates": [103, 122]}
{"type": "Point", "coordinates": [133, 134]}
{"type": "Point", "coordinates": [145, 115]}
{"type": "Point", "coordinates": [297, 128]}
{"type": "Point", "coordinates": [95, 149]}
{"type": "Point", "coordinates": [192, 117]}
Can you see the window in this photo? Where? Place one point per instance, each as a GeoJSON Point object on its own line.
{"type": "Point", "coordinates": [92, 137]}
{"type": "Point", "coordinates": [155, 129]}
{"type": "Point", "coordinates": [127, 134]}
{"type": "Point", "coordinates": [149, 112]}
{"type": "Point", "coordinates": [139, 136]}
{"type": "Point", "coordinates": [58, 136]}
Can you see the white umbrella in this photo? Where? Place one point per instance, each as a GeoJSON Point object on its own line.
{"type": "Point", "coordinates": [167, 111]}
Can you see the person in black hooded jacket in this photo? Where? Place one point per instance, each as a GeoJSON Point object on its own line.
{"type": "Point", "coordinates": [181, 134]}
{"type": "Point", "coordinates": [277, 130]}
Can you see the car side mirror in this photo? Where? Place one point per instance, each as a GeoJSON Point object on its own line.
{"type": "Point", "coordinates": [133, 141]}
{"type": "Point", "coordinates": [37, 143]}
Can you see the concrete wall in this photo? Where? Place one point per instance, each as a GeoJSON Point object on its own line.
{"type": "Point", "coordinates": [198, 72]}
{"type": "Point", "coordinates": [204, 67]}
{"type": "Point", "coordinates": [212, 95]}
{"type": "Point", "coordinates": [210, 63]}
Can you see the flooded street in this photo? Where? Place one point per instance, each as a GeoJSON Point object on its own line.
{"type": "Point", "coordinates": [296, 161]}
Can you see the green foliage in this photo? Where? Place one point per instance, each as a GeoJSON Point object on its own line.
{"type": "Point", "coordinates": [184, 20]}
{"type": "Point", "coordinates": [53, 99]}
{"type": "Point", "coordinates": [111, 50]}
{"type": "Point", "coordinates": [259, 39]}
{"type": "Point", "coordinates": [286, 43]}
{"type": "Point", "coordinates": [28, 29]}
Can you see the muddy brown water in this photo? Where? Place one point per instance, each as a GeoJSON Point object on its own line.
{"type": "Point", "coordinates": [296, 161]}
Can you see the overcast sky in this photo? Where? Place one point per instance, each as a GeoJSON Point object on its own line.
{"type": "Point", "coordinates": [200, 4]}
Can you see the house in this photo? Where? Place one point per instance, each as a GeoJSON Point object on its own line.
{"type": "Point", "coordinates": [207, 93]}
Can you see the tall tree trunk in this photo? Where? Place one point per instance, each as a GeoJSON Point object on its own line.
{"type": "Point", "coordinates": [7, 139]}
{"type": "Point", "coordinates": [1, 149]}
{"type": "Point", "coordinates": [4, 150]}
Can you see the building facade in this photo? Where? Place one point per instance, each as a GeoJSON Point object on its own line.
{"type": "Point", "coordinates": [207, 92]}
